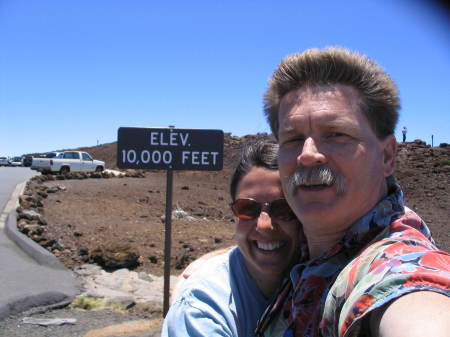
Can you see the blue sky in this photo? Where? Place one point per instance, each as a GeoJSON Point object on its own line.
{"type": "Point", "coordinates": [73, 72]}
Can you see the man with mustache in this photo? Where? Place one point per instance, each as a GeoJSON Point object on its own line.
{"type": "Point", "coordinates": [373, 268]}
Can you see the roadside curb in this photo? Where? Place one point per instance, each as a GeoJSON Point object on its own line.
{"type": "Point", "coordinates": [37, 252]}
{"type": "Point", "coordinates": [12, 203]}
{"type": "Point", "coordinates": [52, 284]}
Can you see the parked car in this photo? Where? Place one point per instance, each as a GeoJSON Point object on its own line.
{"type": "Point", "coordinates": [4, 161]}
{"type": "Point", "coordinates": [16, 161]}
{"type": "Point", "coordinates": [53, 154]}
{"type": "Point", "coordinates": [27, 160]}
{"type": "Point", "coordinates": [68, 161]}
{"type": "Point", "coordinates": [41, 161]}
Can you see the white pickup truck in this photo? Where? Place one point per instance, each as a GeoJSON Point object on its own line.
{"type": "Point", "coordinates": [68, 161]}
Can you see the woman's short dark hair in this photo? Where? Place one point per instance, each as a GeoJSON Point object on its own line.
{"type": "Point", "coordinates": [254, 154]}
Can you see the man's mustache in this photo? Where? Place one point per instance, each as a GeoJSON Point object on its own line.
{"type": "Point", "coordinates": [317, 175]}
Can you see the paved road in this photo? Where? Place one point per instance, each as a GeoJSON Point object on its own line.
{"type": "Point", "coordinates": [24, 282]}
{"type": "Point", "coordinates": [9, 178]}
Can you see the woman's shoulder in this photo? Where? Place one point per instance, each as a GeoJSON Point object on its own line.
{"type": "Point", "coordinates": [204, 302]}
{"type": "Point", "coordinates": [210, 279]}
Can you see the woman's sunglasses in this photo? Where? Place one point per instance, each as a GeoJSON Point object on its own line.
{"type": "Point", "coordinates": [248, 209]}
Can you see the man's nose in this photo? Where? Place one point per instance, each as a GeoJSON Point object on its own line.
{"type": "Point", "coordinates": [310, 154]}
{"type": "Point", "coordinates": [264, 222]}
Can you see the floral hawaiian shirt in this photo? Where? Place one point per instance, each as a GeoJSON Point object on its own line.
{"type": "Point", "coordinates": [386, 254]}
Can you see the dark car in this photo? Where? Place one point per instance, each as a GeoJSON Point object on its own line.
{"type": "Point", "coordinates": [27, 161]}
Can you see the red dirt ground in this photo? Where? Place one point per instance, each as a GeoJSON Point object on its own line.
{"type": "Point", "coordinates": [94, 215]}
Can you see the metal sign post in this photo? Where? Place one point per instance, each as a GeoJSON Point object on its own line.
{"type": "Point", "coordinates": [167, 241]}
{"type": "Point", "coordinates": [169, 149]}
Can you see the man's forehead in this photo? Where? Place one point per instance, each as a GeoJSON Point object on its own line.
{"type": "Point", "coordinates": [338, 105]}
{"type": "Point", "coordinates": [321, 92]}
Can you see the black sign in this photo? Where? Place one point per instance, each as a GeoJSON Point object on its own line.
{"type": "Point", "coordinates": [170, 149]}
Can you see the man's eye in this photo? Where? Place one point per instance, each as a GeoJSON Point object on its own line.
{"type": "Point", "coordinates": [293, 143]}
{"type": "Point", "coordinates": [336, 135]}
{"type": "Point", "coordinates": [298, 139]}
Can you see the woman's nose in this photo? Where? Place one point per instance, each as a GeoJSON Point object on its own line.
{"type": "Point", "coordinates": [264, 222]}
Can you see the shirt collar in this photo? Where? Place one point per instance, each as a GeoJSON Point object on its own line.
{"type": "Point", "coordinates": [370, 225]}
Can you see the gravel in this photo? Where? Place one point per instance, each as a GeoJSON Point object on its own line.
{"type": "Point", "coordinates": [86, 321]}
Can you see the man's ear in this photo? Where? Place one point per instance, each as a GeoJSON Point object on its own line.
{"type": "Point", "coordinates": [389, 155]}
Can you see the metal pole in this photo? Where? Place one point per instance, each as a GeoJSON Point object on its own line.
{"type": "Point", "coordinates": [167, 241]}
{"type": "Point", "coordinates": [432, 141]}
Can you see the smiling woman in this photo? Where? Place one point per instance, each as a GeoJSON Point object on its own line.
{"type": "Point", "coordinates": [268, 240]}
{"type": "Point", "coordinates": [228, 293]}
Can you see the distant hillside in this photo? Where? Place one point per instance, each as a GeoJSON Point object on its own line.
{"type": "Point", "coordinates": [423, 172]}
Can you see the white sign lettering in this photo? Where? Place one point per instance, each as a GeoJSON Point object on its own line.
{"type": "Point", "coordinates": [168, 139]}
{"type": "Point", "coordinates": [199, 157]}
